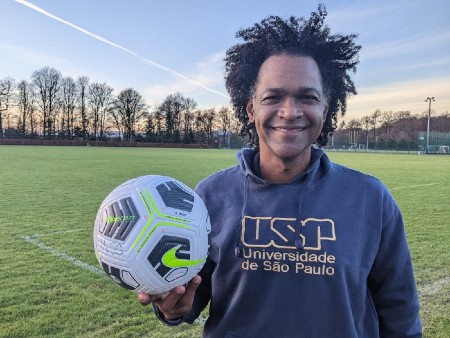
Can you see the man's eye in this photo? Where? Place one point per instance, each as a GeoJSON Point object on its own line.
{"type": "Point", "coordinates": [310, 99]}
{"type": "Point", "coordinates": [271, 99]}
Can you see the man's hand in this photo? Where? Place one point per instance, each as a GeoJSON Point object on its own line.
{"type": "Point", "coordinates": [177, 303]}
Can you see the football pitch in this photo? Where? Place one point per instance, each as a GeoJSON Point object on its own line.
{"type": "Point", "coordinates": [52, 285]}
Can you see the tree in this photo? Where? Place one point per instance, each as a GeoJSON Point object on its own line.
{"type": "Point", "coordinates": [159, 125]}
{"type": "Point", "coordinates": [406, 127]}
{"type": "Point", "coordinates": [388, 118]}
{"type": "Point", "coordinates": [373, 122]}
{"type": "Point", "coordinates": [224, 116]}
{"type": "Point", "coordinates": [205, 123]}
{"type": "Point", "coordinates": [177, 111]}
{"type": "Point", "coordinates": [25, 102]}
{"type": "Point", "coordinates": [83, 90]}
{"type": "Point", "coordinates": [47, 81]}
{"type": "Point", "coordinates": [100, 97]}
{"type": "Point", "coordinates": [68, 100]}
{"type": "Point", "coordinates": [366, 122]}
{"type": "Point", "coordinates": [6, 87]}
{"type": "Point", "coordinates": [150, 128]}
{"type": "Point", "coordinates": [403, 115]}
{"type": "Point", "coordinates": [354, 127]}
{"type": "Point", "coordinates": [128, 109]}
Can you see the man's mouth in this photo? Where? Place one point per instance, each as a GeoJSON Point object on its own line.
{"type": "Point", "coordinates": [289, 128]}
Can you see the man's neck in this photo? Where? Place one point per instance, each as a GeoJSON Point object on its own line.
{"type": "Point", "coordinates": [282, 170]}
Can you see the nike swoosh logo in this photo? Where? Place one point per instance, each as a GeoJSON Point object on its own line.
{"type": "Point", "coordinates": [170, 260]}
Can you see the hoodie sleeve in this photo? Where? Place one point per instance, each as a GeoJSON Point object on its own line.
{"type": "Point", "coordinates": [203, 293]}
{"type": "Point", "coordinates": [391, 281]}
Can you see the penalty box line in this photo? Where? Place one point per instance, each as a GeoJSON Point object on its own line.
{"type": "Point", "coordinates": [33, 239]}
{"type": "Point", "coordinates": [414, 186]}
{"type": "Point", "coordinates": [424, 290]}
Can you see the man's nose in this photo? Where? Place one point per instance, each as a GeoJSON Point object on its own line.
{"type": "Point", "coordinates": [290, 109]}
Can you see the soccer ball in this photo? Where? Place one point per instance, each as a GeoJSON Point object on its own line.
{"type": "Point", "coordinates": [151, 234]}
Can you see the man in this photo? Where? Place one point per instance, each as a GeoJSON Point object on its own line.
{"type": "Point", "coordinates": [300, 246]}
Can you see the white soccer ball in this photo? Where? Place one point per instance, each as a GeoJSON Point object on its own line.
{"type": "Point", "coordinates": [151, 234]}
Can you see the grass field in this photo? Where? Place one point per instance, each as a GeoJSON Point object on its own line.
{"type": "Point", "coordinates": [51, 284]}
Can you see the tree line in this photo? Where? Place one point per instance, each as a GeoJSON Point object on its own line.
{"type": "Point", "coordinates": [390, 130]}
{"type": "Point", "coordinates": [52, 106]}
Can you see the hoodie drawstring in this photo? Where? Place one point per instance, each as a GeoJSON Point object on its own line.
{"type": "Point", "coordinates": [238, 242]}
{"type": "Point", "coordinates": [299, 243]}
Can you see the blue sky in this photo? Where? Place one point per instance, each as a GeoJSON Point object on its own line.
{"type": "Point", "coordinates": [162, 47]}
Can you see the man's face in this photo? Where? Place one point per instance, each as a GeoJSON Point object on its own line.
{"type": "Point", "coordinates": [288, 107]}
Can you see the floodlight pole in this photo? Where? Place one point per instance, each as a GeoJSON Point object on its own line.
{"type": "Point", "coordinates": [428, 99]}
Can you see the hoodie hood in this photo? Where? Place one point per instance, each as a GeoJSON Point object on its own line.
{"type": "Point", "coordinates": [248, 159]}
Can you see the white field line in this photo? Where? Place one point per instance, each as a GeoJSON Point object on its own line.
{"type": "Point", "coordinates": [58, 232]}
{"type": "Point", "coordinates": [33, 240]}
{"type": "Point", "coordinates": [414, 186]}
{"type": "Point", "coordinates": [424, 290]}
{"type": "Point", "coordinates": [433, 288]}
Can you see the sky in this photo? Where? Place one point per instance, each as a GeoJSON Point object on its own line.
{"type": "Point", "coordinates": [163, 47]}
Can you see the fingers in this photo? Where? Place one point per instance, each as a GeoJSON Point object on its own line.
{"type": "Point", "coordinates": [177, 303]}
{"type": "Point", "coordinates": [192, 288]}
{"type": "Point", "coordinates": [146, 299]}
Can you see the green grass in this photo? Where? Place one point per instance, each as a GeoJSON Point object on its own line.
{"type": "Point", "coordinates": [52, 194]}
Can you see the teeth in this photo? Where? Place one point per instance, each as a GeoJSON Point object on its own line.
{"type": "Point", "coordinates": [281, 128]}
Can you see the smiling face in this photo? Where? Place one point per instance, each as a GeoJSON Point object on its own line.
{"type": "Point", "coordinates": [288, 107]}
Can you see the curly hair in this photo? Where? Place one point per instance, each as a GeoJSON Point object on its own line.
{"type": "Point", "coordinates": [336, 55]}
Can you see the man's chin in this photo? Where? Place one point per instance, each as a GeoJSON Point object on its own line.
{"type": "Point", "coordinates": [290, 153]}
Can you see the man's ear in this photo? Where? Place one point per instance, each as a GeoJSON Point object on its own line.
{"type": "Point", "coordinates": [325, 112]}
{"type": "Point", "coordinates": [250, 111]}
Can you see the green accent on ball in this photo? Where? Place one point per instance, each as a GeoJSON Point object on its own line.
{"type": "Point", "coordinates": [172, 261]}
{"type": "Point", "coordinates": [148, 199]}
{"type": "Point", "coordinates": [147, 225]}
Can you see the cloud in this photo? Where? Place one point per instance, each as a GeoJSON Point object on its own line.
{"type": "Point", "coordinates": [405, 95]}
{"type": "Point", "coordinates": [32, 57]}
{"type": "Point", "coordinates": [32, 60]}
{"type": "Point", "coordinates": [108, 42]}
{"type": "Point", "coordinates": [404, 46]}
{"type": "Point", "coordinates": [207, 72]}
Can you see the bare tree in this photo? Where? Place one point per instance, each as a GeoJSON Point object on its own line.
{"type": "Point", "coordinates": [373, 122]}
{"type": "Point", "coordinates": [224, 123]}
{"type": "Point", "coordinates": [25, 102]}
{"type": "Point", "coordinates": [403, 115]}
{"type": "Point", "coordinates": [177, 111]}
{"type": "Point", "coordinates": [188, 126]}
{"type": "Point", "coordinates": [83, 91]}
{"type": "Point", "coordinates": [128, 109]}
{"type": "Point", "coordinates": [46, 82]}
{"type": "Point", "coordinates": [158, 120]}
{"type": "Point", "coordinates": [354, 127]}
{"type": "Point", "coordinates": [100, 98]}
{"type": "Point", "coordinates": [189, 106]}
{"type": "Point", "coordinates": [366, 123]}
{"type": "Point", "coordinates": [205, 122]}
{"type": "Point", "coordinates": [235, 124]}
{"type": "Point", "coordinates": [151, 127]}
{"type": "Point", "coordinates": [388, 118]}
{"type": "Point", "coordinates": [6, 88]}
{"type": "Point", "coordinates": [68, 100]}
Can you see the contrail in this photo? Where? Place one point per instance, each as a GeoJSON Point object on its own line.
{"type": "Point", "coordinates": [97, 37]}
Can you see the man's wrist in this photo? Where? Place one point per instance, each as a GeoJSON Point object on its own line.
{"type": "Point", "coordinates": [161, 317]}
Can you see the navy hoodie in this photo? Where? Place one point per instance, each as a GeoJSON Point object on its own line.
{"type": "Point", "coordinates": [322, 256]}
